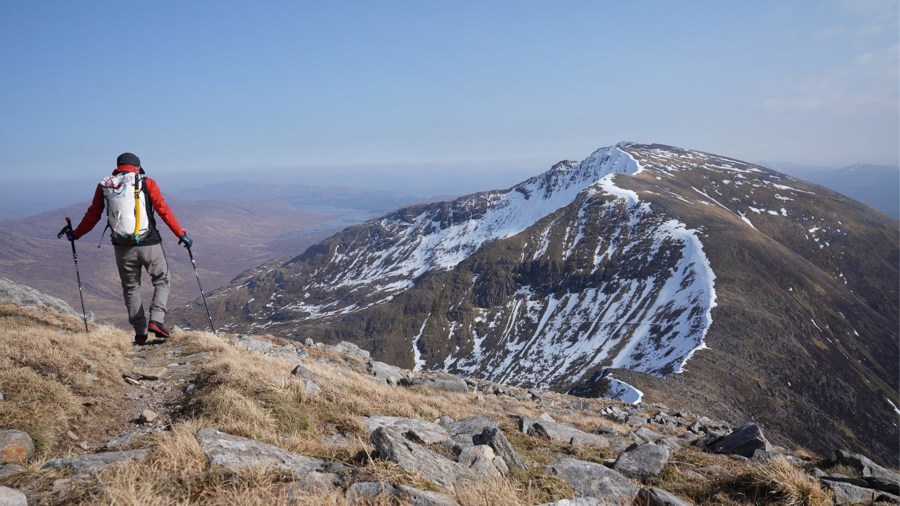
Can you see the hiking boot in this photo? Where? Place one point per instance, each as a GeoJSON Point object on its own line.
{"type": "Point", "coordinates": [158, 329]}
{"type": "Point", "coordinates": [140, 340]}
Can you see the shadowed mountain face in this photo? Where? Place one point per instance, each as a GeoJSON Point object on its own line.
{"type": "Point", "coordinates": [698, 280]}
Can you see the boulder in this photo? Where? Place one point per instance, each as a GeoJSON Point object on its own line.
{"type": "Point", "coordinates": [480, 458]}
{"type": "Point", "coordinates": [743, 441]}
{"type": "Point", "coordinates": [561, 432]}
{"type": "Point", "coordinates": [369, 492]}
{"type": "Point", "coordinates": [84, 465]}
{"type": "Point", "coordinates": [349, 349]}
{"type": "Point", "coordinates": [646, 435]}
{"type": "Point", "coordinates": [642, 461]}
{"type": "Point", "coordinates": [234, 452]}
{"type": "Point", "coordinates": [15, 446]}
{"type": "Point", "coordinates": [251, 343]}
{"type": "Point", "coordinates": [496, 439]}
{"type": "Point", "coordinates": [12, 497]}
{"type": "Point", "coordinates": [444, 382]}
{"type": "Point", "coordinates": [595, 480]}
{"type": "Point", "coordinates": [416, 497]}
{"type": "Point", "coordinates": [311, 387]}
{"type": "Point", "coordinates": [865, 466]}
{"type": "Point", "coordinates": [387, 373]}
{"type": "Point", "coordinates": [362, 491]}
{"type": "Point", "coordinates": [314, 483]}
{"type": "Point", "coordinates": [848, 493]}
{"type": "Point", "coordinates": [441, 471]}
{"type": "Point", "coordinates": [467, 428]}
{"type": "Point", "coordinates": [654, 496]}
{"type": "Point", "coordinates": [418, 431]}
{"type": "Point", "coordinates": [10, 469]}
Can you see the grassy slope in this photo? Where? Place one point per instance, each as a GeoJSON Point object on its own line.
{"type": "Point", "coordinates": [57, 380]}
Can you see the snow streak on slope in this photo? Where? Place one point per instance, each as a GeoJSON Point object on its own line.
{"type": "Point", "coordinates": [620, 316]}
{"type": "Point", "coordinates": [402, 247]}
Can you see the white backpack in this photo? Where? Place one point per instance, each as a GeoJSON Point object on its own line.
{"type": "Point", "coordinates": [126, 206]}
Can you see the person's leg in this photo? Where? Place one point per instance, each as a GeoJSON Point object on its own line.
{"type": "Point", "coordinates": [129, 263]}
{"type": "Point", "coordinates": [158, 269]}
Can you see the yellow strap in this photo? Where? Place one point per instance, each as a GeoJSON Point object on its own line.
{"type": "Point", "coordinates": [137, 207]}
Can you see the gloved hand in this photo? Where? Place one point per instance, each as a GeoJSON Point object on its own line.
{"type": "Point", "coordinates": [186, 241]}
{"type": "Point", "coordinates": [70, 235]}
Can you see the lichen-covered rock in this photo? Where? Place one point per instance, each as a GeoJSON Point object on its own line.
{"type": "Point", "coordinates": [387, 373]}
{"type": "Point", "coordinates": [234, 452]}
{"type": "Point", "coordinates": [480, 458]}
{"type": "Point", "coordinates": [349, 349]}
{"type": "Point", "coordinates": [417, 459]}
{"type": "Point", "coordinates": [642, 461]}
{"type": "Point", "coordinates": [595, 480]}
{"type": "Point", "coordinates": [467, 428]}
{"type": "Point", "coordinates": [16, 447]}
{"type": "Point", "coordinates": [554, 431]}
{"type": "Point", "coordinates": [83, 465]}
{"type": "Point", "coordinates": [496, 439]}
{"type": "Point", "coordinates": [421, 432]}
{"type": "Point", "coordinates": [446, 383]}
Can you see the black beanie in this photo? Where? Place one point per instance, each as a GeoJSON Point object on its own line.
{"type": "Point", "coordinates": [128, 159]}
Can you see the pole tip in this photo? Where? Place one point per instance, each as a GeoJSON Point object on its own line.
{"type": "Point", "coordinates": [68, 220]}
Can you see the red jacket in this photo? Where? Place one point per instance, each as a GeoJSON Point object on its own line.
{"type": "Point", "coordinates": [95, 212]}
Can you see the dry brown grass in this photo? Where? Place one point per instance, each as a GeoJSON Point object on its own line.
{"type": "Point", "coordinates": [789, 484]}
{"type": "Point", "coordinates": [46, 371]}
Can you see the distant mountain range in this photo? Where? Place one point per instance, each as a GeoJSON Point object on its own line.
{"type": "Point", "coordinates": [687, 277]}
{"type": "Point", "coordinates": [877, 186]}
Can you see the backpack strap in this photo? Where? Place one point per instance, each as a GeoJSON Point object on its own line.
{"type": "Point", "coordinates": [137, 208]}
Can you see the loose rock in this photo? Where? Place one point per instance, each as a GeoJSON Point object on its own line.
{"type": "Point", "coordinates": [15, 446]}
{"type": "Point", "coordinates": [10, 469]}
{"type": "Point", "coordinates": [83, 465]}
{"type": "Point", "coordinates": [10, 497]}
{"type": "Point", "coordinates": [148, 416]}
{"type": "Point", "coordinates": [658, 497]}
{"type": "Point", "coordinates": [150, 373]}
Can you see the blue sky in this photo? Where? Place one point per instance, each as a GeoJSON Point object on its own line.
{"type": "Point", "coordinates": [432, 87]}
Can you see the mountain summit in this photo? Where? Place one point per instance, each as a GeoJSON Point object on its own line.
{"type": "Point", "coordinates": [691, 278]}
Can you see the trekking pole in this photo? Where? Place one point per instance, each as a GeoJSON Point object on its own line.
{"type": "Point", "coordinates": [62, 232]}
{"type": "Point", "coordinates": [213, 327]}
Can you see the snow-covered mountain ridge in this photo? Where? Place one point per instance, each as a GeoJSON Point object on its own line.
{"type": "Point", "coordinates": [631, 260]}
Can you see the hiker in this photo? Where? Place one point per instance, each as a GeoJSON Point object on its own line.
{"type": "Point", "coordinates": [130, 199]}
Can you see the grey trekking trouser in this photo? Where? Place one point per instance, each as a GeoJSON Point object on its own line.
{"type": "Point", "coordinates": [130, 260]}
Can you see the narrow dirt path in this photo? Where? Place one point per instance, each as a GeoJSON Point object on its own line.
{"type": "Point", "coordinates": [156, 378]}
